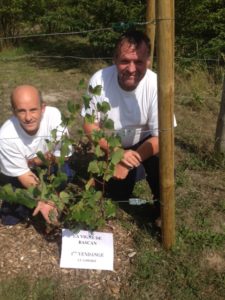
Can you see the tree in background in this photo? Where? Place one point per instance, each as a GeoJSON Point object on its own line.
{"type": "Point", "coordinates": [200, 24]}
{"type": "Point", "coordinates": [75, 15]}
{"type": "Point", "coordinates": [115, 14]}
{"type": "Point", "coordinates": [17, 17]}
{"type": "Point", "coordinates": [200, 28]}
{"type": "Point", "coordinates": [11, 15]}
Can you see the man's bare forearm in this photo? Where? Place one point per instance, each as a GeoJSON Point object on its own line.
{"type": "Point", "coordinates": [149, 148]}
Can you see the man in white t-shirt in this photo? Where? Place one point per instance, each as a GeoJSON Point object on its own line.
{"type": "Point", "coordinates": [131, 90]}
{"type": "Point", "coordinates": [22, 136]}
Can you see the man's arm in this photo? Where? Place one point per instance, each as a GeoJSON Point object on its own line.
{"type": "Point", "coordinates": [149, 148]}
{"type": "Point", "coordinates": [28, 179]}
{"type": "Point", "coordinates": [89, 128]}
{"type": "Point", "coordinates": [131, 158]}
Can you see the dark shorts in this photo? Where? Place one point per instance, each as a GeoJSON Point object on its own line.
{"type": "Point", "coordinates": [149, 170]}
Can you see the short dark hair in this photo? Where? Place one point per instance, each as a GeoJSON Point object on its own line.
{"type": "Point", "coordinates": [133, 37]}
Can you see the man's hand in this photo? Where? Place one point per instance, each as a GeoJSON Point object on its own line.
{"type": "Point", "coordinates": [36, 161]}
{"type": "Point", "coordinates": [121, 171]}
{"type": "Point", "coordinates": [131, 158]}
{"type": "Point", "coordinates": [48, 211]}
{"type": "Point", "coordinates": [28, 179]}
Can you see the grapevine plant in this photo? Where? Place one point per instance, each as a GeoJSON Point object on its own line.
{"type": "Point", "coordinates": [87, 207]}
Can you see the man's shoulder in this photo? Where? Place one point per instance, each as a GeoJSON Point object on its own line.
{"type": "Point", "coordinates": [103, 74]}
{"type": "Point", "coordinates": [51, 112]}
{"type": "Point", "coordinates": [151, 74]}
{"type": "Point", "coordinates": [51, 119]}
{"type": "Point", "coordinates": [8, 128]}
{"type": "Point", "coordinates": [149, 80]}
{"type": "Point", "coordinates": [51, 109]}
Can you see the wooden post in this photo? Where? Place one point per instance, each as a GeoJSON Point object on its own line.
{"type": "Point", "coordinates": [220, 128]}
{"type": "Point", "coordinates": [150, 27]}
{"type": "Point", "coordinates": [165, 70]}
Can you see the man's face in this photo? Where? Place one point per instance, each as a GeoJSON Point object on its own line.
{"type": "Point", "coordinates": [131, 63]}
{"type": "Point", "coordinates": [28, 110]}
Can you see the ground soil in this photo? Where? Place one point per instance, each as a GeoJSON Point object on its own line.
{"type": "Point", "coordinates": [28, 249]}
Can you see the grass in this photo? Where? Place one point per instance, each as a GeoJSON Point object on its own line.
{"type": "Point", "coordinates": [45, 288]}
{"type": "Point", "coordinates": [195, 267]}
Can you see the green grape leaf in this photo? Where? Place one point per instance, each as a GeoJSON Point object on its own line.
{"type": "Point", "coordinates": [54, 133]}
{"type": "Point", "coordinates": [108, 124]}
{"type": "Point", "coordinates": [99, 152]}
{"type": "Point", "coordinates": [86, 101]}
{"type": "Point", "coordinates": [21, 196]}
{"type": "Point", "coordinates": [117, 156]}
{"type": "Point", "coordinates": [107, 176]}
{"type": "Point", "coordinates": [89, 118]}
{"type": "Point", "coordinates": [103, 107]}
{"type": "Point", "coordinates": [71, 107]}
{"type": "Point", "coordinates": [96, 90]}
{"type": "Point", "coordinates": [65, 121]}
{"type": "Point", "coordinates": [114, 141]}
{"type": "Point", "coordinates": [93, 167]}
{"type": "Point", "coordinates": [81, 84]}
{"type": "Point", "coordinates": [110, 209]}
{"type": "Point", "coordinates": [41, 156]}
{"type": "Point", "coordinates": [60, 179]}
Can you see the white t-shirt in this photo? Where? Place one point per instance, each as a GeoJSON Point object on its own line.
{"type": "Point", "coordinates": [134, 113]}
{"type": "Point", "coordinates": [16, 146]}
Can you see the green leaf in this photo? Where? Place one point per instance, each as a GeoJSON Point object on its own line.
{"type": "Point", "coordinates": [60, 179]}
{"type": "Point", "coordinates": [86, 101]}
{"type": "Point", "coordinates": [103, 107]}
{"type": "Point", "coordinates": [110, 209]}
{"type": "Point", "coordinates": [99, 152]}
{"type": "Point", "coordinates": [117, 156]}
{"type": "Point", "coordinates": [108, 124]}
{"type": "Point", "coordinates": [65, 121]}
{"type": "Point", "coordinates": [107, 176]}
{"type": "Point", "coordinates": [81, 84]}
{"type": "Point", "coordinates": [24, 198]}
{"type": "Point", "coordinates": [44, 190]}
{"type": "Point", "coordinates": [20, 196]}
{"type": "Point", "coordinates": [50, 145]}
{"type": "Point", "coordinates": [65, 147]}
{"type": "Point", "coordinates": [71, 107]}
{"type": "Point", "coordinates": [65, 197]}
{"type": "Point", "coordinates": [41, 156]}
{"type": "Point", "coordinates": [93, 167]}
{"type": "Point", "coordinates": [114, 141]}
{"type": "Point", "coordinates": [97, 135]}
{"type": "Point", "coordinates": [98, 195]}
{"type": "Point", "coordinates": [102, 165]}
{"type": "Point", "coordinates": [96, 90]}
{"type": "Point", "coordinates": [7, 193]}
{"type": "Point", "coordinates": [89, 118]}
{"type": "Point", "coordinates": [54, 133]}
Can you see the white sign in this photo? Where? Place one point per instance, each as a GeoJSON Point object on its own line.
{"type": "Point", "coordinates": [87, 250]}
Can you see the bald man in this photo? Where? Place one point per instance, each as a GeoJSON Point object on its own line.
{"type": "Point", "coordinates": [21, 137]}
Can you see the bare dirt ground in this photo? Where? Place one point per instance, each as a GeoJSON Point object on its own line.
{"type": "Point", "coordinates": [26, 249]}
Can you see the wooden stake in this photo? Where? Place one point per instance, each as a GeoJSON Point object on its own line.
{"type": "Point", "coordinates": [165, 70]}
{"type": "Point", "coordinates": [150, 27]}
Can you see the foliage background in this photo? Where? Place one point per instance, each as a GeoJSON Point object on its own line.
{"type": "Point", "coordinates": [200, 24]}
